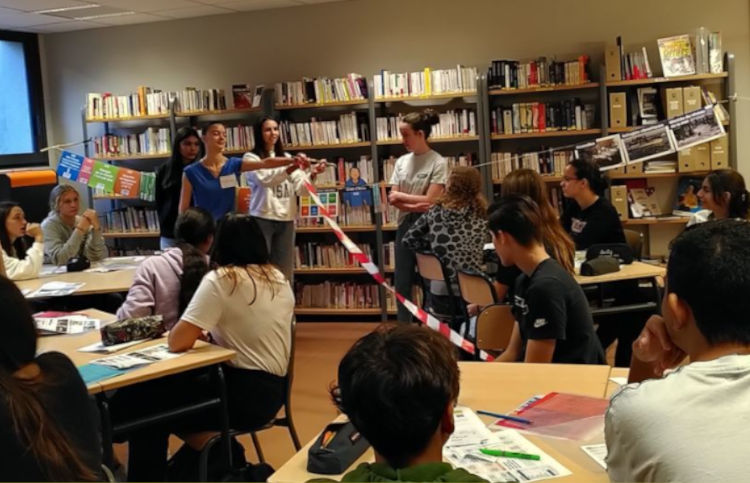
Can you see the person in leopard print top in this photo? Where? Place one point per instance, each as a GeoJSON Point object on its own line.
{"type": "Point", "coordinates": [455, 230]}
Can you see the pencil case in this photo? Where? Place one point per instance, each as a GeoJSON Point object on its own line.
{"type": "Point", "coordinates": [128, 330]}
{"type": "Point", "coordinates": [333, 454]}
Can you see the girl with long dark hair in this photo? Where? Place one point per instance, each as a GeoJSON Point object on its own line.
{"type": "Point", "coordinates": [21, 261]}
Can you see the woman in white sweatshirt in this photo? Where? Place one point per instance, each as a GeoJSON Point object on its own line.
{"type": "Point", "coordinates": [274, 194]}
{"type": "Point", "coordinates": [21, 262]}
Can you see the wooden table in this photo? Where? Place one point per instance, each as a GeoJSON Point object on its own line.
{"type": "Point", "coordinates": [96, 282]}
{"type": "Point", "coordinates": [632, 271]}
{"type": "Point", "coordinates": [502, 387]}
{"type": "Point", "coordinates": [202, 355]}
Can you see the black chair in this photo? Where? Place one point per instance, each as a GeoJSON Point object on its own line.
{"type": "Point", "coordinates": [285, 420]}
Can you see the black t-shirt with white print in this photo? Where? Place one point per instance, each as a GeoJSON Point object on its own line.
{"type": "Point", "coordinates": [549, 304]}
{"type": "Point", "coordinates": [599, 223]}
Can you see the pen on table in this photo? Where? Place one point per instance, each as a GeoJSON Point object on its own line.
{"type": "Point", "coordinates": [510, 454]}
{"type": "Point", "coordinates": [504, 416]}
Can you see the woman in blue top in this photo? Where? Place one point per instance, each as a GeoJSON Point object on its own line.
{"type": "Point", "coordinates": [211, 181]}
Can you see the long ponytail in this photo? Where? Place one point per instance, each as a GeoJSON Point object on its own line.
{"type": "Point", "coordinates": [194, 227]}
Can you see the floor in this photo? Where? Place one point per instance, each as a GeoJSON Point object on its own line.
{"type": "Point", "coordinates": [320, 347]}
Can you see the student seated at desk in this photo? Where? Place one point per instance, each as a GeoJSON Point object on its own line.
{"type": "Point", "coordinates": [723, 195]}
{"type": "Point", "coordinates": [553, 321]}
{"type": "Point", "coordinates": [398, 386]}
{"type": "Point", "coordinates": [690, 425]}
{"type": "Point", "coordinates": [165, 284]}
{"type": "Point", "coordinates": [21, 262]}
{"type": "Point", "coordinates": [68, 234]}
{"type": "Point", "coordinates": [247, 305]}
{"type": "Point", "coordinates": [48, 425]}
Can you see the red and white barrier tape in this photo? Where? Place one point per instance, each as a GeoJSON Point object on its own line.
{"type": "Point", "coordinates": [424, 317]}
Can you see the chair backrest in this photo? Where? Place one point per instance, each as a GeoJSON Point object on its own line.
{"type": "Point", "coordinates": [634, 239]}
{"type": "Point", "coordinates": [429, 266]}
{"type": "Point", "coordinates": [290, 367]}
{"type": "Point", "coordinates": [476, 289]}
{"type": "Point", "coordinates": [494, 327]}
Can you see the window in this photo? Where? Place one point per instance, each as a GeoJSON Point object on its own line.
{"type": "Point", "coordinates": [22, 131]}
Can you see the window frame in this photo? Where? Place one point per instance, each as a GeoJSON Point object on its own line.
{"type": "Point", "coordinates": [30, 42]}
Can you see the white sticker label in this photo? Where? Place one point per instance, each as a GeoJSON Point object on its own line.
{"type": "Point", "coordinates": [228, 181]}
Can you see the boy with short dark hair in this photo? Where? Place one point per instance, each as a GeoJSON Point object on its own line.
{"type": "Point", "coordinates": [398, 386]}
{"type": "Point", "coordinates": [690, 425]}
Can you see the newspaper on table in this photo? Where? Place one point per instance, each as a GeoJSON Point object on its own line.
{"type": "Point", "coordinates": [56, 289]}
{"type": "Point", "coordinates": [66, 323]}
{"type": "Point", "coordinates": [154, 353]}
{"type": "Point", "coordinates": [470, 435]}
{"type": "Point", "coordinates": [108, 349]}
{"type": "Point", "coordinates": [52, 270]}
{"type": "Point", "coordinates": [113, 264]}
{"type": "Point", "coordinates": [597, 452]}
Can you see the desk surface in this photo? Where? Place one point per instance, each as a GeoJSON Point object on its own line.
{"type": "Point", "coordinates": [96, 282]}
{"type": "Point", "coordinates": [203, 354]}
{"type": "Point", "coordinates": [627, 272]}
{"type": "Point", "coordinates": [502, 387]}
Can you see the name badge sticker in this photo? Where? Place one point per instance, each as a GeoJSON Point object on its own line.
{"type": "Point", "coordinates": [228, 181]}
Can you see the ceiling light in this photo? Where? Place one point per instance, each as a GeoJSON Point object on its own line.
{"type": "Point", "coordinates": [66, 9]}
{"type": "Point", "coordinates": [105, 15]}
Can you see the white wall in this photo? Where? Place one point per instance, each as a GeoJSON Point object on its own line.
{"type": "Point", "coordinates": [364, 36]}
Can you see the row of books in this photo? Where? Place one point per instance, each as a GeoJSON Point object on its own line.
{"type": "Point", "coordinates": [550, 163]}
{"type": "Point", "coordinates": [346, 130]}
{"type": "Point", "coordinates": [240, 137]}
{"type": "Point", "coordinates": [191, 99]}
{"type": "Point", "coordinates": [453, 123]}
{"type": "Point", "coordinates": [318, 255]}
{"type": "Point", "coordinates": [130, 220]}
{"type": "Point", "coordinates": [146, 101]}
{"type": "Point", "coordinates": [636, 65]}
{"type": "Point", "coordinates": [321, 90]}
{"type": "Point", "coordinates": [345, 215]}
{"type": "Point", "coordinates": [151, 141]}
{"type": "Point", "coordinates": [426, 82]}
{"type": "Point", "coordinates": [530, 117]}
{"type": "Point", "coordinates": [131, 252]}
{"type": "Point", "coordinates": [337, 295]}
{"type": "Point", "coordinates": [514, 74]}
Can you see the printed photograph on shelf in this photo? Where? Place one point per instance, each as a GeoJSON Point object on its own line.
{"type": "Point", "coordinates": [643, 202]}
{"type": "Point", "coordinates": [696, 127]}
{"type": "Point", "coordinates": [606, 152]}
{"type": "Point", "coordinates": [648, 100]}
{"type": "Point", "coordinates": [676, 56]}
{"type": "Point", "coordinates": [356, 191]}
{"type": "Point", "coordinates": [687, 201]}
{"type": "Point", "coordinates": [647, 143]}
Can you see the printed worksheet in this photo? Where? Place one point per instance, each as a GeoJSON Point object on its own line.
{"type": "Point", "coordinates": [597, 452]}
{"type": "Point", "coordinates": [471, 435]}
{"type": "Point", "coordinates": [67, 324]}
{"type": "Point", "coordinates": [140, 357]}
{"type": "Point", "coordinates": [55, 289]}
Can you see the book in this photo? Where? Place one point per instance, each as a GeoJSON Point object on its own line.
{"type": "Point", "coordinates": [643, 202]}
{"type": "Point", "coordinates": [687, 201]}
{"type": "Point", "coordinates": [676, 56]}
{"type": "Point", "coordinates": [242, 95]}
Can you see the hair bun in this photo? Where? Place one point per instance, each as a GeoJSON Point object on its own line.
{"type": "Point", "coordinates": [430, 116]}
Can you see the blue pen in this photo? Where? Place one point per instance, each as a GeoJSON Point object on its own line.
{"type": "Point", "coordinates": [504, 416]}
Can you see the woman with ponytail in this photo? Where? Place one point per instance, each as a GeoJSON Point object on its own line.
{"type": "Point", "coordinates": [48, 425]}
{"type": "Point", "coordinates": [165, 284]}
{"type": "Point", "coordinates": [417, 182]}
{"type": "Point", "coordinates": [723, 195]}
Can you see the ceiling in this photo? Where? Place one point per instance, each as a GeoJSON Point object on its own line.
{"type": "Point", "coordinates": [49, 16]}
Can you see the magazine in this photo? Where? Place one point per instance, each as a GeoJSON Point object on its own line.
{"type": "Point", "coordinates": [687, 201]}
{"type": "Point", "coordinates": [676, 56]}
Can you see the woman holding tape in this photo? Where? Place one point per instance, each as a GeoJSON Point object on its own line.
{"type": "Point", "coordinates": [418, 180]}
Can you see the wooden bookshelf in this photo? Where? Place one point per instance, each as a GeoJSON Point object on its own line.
{"type": "Point", "coordinates": [145, 117]}
{"type": "Point", "coordinates": [447, 95]}
{"type": "Point", "coordinates": [355, 102]}
{"type": "Point", "coordinates": [326, 228]}
{"type": "Point", "coordinates": [656, 221]}
{"type": "Point", "coordinates": [541, 89]}
{"type": "Point", "coordinates": [132, 157]}
{"type": "Point", "coordinates": [334, 271]}
{"type": "Point", "coordinates": [557, 179]}
{"type": "Point", "coordinates": [119, 197]}
{"type": "Point", "coordinates": [664, 80]}
{"type": "Point", "coordinates": [325, 311]}
{"type": "Point", "coordinates": [328, 146]}
{"type": "Point", "coordinates": [237, 151]}
{"type": "Point", "coordinates": [218, 112]}
{"type": "Point", "coordinates": [390, 227]}
{"type": "Point", "coordinates": [143, 234]}
{"type": "Point", "coordinates": [547, 134]}
{"type": "Point", "coordinates": [455, 139]}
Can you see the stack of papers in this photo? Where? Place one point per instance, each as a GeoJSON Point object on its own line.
{"type": "Point", "coordinates": [65, 323]}
{"type": "Point", "coordinates": [471, 435]}
{"type": "Point", "coordinates": [55, 289]}
{"type": "Point", "coordinates": [137, 358]}
{"type": "Point", "coordinates": [116, 263]}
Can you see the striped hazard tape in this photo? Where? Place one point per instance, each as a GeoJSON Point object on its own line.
{"type": "Point", "coordinates": [424, 317]}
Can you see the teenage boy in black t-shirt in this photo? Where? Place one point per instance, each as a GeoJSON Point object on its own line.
{"type": "Point", "coordinates": [553, 322]}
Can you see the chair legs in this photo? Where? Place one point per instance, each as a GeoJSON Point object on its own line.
{"type": "Point", "coordinates": [258, 449]}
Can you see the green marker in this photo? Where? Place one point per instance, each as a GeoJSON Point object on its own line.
{"type": "Point", "coordinates": [509, 454]}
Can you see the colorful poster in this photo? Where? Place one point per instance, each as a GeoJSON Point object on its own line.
{"type": "Point", "coordinates": [127, 183]}
{"type": "Point", "coordinates": [329, 200]}
{"type": "Point", "coordinates": [69, 165]}
{"type": "Point", "coordinates": [86, 168]}
{"type": "Point", "coordinates": [103, 177]}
